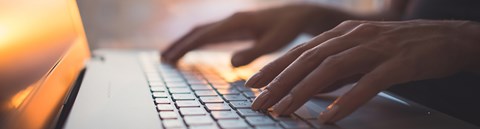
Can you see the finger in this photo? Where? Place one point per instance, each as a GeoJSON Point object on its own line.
{"type": "Point", "coordinates": [309, 60]}
{"type": "Point", "coordinates": [351, 62]}
{"type": "Point", "coordinates": [300, 68]}
{"type": "Point", "coordinates": [276, 38]}
{"type": "Point", "coordinates": [182, 40]}
{"type": "Point", "coordinates": [271, 70]}
{"type": "Point", "coordinates": [341, 83]}
{"type": "Point", "coordinates": [229, 29]}
{"type": "Point", "coordinates": [382, 77]}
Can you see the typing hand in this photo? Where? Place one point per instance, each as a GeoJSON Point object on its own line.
{"type": "Point", "coordinates": [376, 55]}
{"type": "Point", "coordinates": [271, 29]}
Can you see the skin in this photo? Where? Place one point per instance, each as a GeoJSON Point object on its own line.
{"type": "Point", "coordinates": [382, 53]}
{"type": "Point", "coordinates": [374, 54]}
{"type": "Point", "coordinates": [278, 26]}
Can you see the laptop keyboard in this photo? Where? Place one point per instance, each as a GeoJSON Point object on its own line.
{"type": "Point", "coordinates": [189, 96]}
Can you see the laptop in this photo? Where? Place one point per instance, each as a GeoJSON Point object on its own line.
{"type": "Point", "coordinates": [50, 79]}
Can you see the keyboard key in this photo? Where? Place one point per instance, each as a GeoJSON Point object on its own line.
{"type": "Point", "coordinates": [187, 104]}
{"type": "Point", "coordinates": [170, 74]}
{"type": "Point", "coordinates": [198, 120]}
{"type": "Point", "coordinates": [158, 89]}
{"type": "Point", "coordinates": [238, 84]}
{"type": "Point", "coordinates": [205, 93]}
{"type": "Point", "coordinates": [196, 81]}
{"type": "Point", "coordinates": [260, 120]}
{"type": "Point", "coordinates": [234, 97]}
{"type": "Point", "coordinates": [212, 126]}
{"type": "Point", "coordinates": [224, 115]}
{"type": "Point", "coordinates": [173, 123]}
{"type": "Point", "coordinates": [180, 90]}
{"type": "Point", "coordinates": [165, 107]}
{"type": "Point", "coordinates": [173, 79]}
{"type": "Point", "coordinates": [176, 84]}
{"type": "Point", "coordinates": [183, 96]}
{"type": "Point", "coordinates": [160, 94]}
{"type": "Point", "coordinates": [201, 87]}
{"type": "Point", "coordinates": [241, 104]}
{"type": "Point", "coordinates": [192, 111]}
{"type": "Point", "coordinates": [154, 77]}
{"type": "Point", "coordinates": [163, 101]}
{"type": "Point", "coordinates": [232, 124]}
{"type": "Point", "coordinates": [215, 99]}
{"type": "Point", "coordinates": [294, 124]}
{"type": "Point", "coordinates": [242, 88]}
{"type": "Point", "coordinates": [222, 86]}
{"type": "Point", "coordinates": [156, 84]}
{"type": "Point", "coordinates": [268, 127]}
{"type": "Point", "coordinates": [250, 112]}
{"type": "Point", "coordinates": [228, 91]}
{"type": "Point", "coordinates": [217, 81]}
{"type": "Point", "coordinates": [168, 115]}
{"type": "Point", "coordinates": [250, 94]}
{"type": "Point", "coordinates": [218, 107]}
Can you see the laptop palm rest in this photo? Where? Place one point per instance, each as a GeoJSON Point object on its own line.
{"type": "Point", "coordinates": [384, 111]}
{"type": "Point", "coordinates": [114, 95]}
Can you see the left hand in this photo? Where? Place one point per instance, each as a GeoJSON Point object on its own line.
{"type": "Point", "coordinates": [376, 55]}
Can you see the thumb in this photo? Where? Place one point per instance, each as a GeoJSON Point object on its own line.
{"type": "Point", "coordinates": [246, 56]}
{"type": "Point", "coordinates": [365, 89]}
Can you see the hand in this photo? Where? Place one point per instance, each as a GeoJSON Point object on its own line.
{"type": "Point", "coordinates": [376, 55]}
{"type": "Point", "coordinates": [271, 29]}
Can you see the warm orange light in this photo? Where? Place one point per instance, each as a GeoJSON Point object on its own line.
{"type": "Point", "coordinates": [3, 32]}
{"type": "Point", "coordinates": [219, 63]}
{"type": "Point", "coordinates": [43, 48]}
{"type": "Point", "coordinates": [20, 97]}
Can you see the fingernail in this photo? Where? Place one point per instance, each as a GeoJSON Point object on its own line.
{"type": "Point", "coordinates": [283, 105]}
{"type": "Point", "coordinates": [260, 100]}
{"type": "Point", "coordinates": [253, 80]}
{"type": "Point", "coordinates": [326, 116]}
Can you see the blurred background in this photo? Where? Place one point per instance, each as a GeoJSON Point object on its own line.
{"type": "Point", "coordinates": [154, 24]}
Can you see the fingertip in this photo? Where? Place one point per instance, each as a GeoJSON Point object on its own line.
{"type": "Point", "coordinates": [252, 81]}
{"type": "Point", "coordinates": [260, 100]}
{"type": "Point", "coordinates": [239, 60]}
{"type": "Point", "coordinates": [283, 105]}
{"type": "Point", "coordinates": [326, 117]}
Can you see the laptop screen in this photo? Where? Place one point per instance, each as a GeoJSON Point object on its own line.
{"type": "Point", "coordinates": [42, 50]}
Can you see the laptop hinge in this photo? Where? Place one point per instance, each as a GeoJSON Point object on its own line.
{"type": "Point", "coordinates": [65, 109]}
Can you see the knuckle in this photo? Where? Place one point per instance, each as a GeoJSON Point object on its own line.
{"type": "Point", "coordinates": [351, 22]}
{"type": "Point", "coordinates": [366, 28]}
{"type": "Point", "coordinates": [332, 62]}
{"type": "Point", "coordinates": [199, 28]}
{"type": "Point", "coordinates": [332, 33]}
{"type": "Point", "coordinates": [297, 50]}
{"type": "Point", "coordinates": [241, 16]}
{"type": "Point", "coordinates": [308, 56]}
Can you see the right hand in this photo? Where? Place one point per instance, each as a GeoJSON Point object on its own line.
{"type": "Point", "coordinates": [272, 29]}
